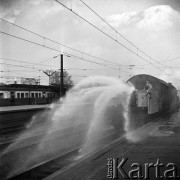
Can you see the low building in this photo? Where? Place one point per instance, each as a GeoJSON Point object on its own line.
{"type": "Point", "coordinates": [21, 94]}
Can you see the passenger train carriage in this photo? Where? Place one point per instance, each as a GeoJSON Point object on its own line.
{"type": "Point", "coordinates": [143, 108]}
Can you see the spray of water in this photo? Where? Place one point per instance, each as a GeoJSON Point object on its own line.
{"type": "Point", "coordinates": [83, 116]}
{"type": "Point", "coordinates": [112, 94]}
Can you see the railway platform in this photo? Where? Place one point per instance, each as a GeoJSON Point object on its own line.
{"type": "Point", "coordinates": [154, 145]}
{"type": "Point", "coordinates": [7, 109]}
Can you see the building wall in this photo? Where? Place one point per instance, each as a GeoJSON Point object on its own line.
{"type": "Point", "coordinates": [5, 94]}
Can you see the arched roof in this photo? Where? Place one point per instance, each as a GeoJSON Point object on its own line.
{"type": "Point", "coordinates": [148, 76]}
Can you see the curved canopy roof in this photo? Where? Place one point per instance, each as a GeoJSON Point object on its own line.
{"type": "Point", "coordinates": [148, 77]}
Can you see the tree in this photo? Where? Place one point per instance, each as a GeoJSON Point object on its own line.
{"type": "Point", "coordinates": [55, 79]}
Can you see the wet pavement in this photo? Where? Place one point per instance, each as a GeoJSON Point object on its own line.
{"type": "Point", "coordinates": [150, 152]}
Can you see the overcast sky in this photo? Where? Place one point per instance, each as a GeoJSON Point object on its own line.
{"type": "Point", "coordinates": [152, 25]}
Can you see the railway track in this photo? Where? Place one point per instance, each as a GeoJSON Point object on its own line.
{"type": "Point", "coordinates": [14, 120]}
{"type": "Point", "coordinates": [9, 134]}
{"type": "Point", "coordinates": [15, 155]}
{"type": "Point", "coordinates": [11, 127]}
{"type": "Point", "coordinates": [8, 143]}
{"type": "Point", "coordinates": [16, 128]}
{"type": "Point", "coordinates": [36, 138]}
{"type": "Point", "coordinates": [46, 168]}
{"type": "Point", "coordinates": [11, 119]}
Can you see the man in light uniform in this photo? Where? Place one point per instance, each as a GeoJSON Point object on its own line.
{"type": "Point", "coordinates": [148, 94]}
{"type": "Point", "coordinates": [148, 89]}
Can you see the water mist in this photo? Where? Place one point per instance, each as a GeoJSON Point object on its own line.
{"type": "Point", "coordinates": [80, 118]}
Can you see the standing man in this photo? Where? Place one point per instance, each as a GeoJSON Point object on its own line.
{"type": "Point", "coordinates": [148, 89]}
{"type": "Point", "coordinates": [148, 93]}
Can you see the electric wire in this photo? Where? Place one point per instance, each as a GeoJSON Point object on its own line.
{"type": "Point", "coordinates": [45, 38]}
{"type": "Point", "coordinates": [67, 54]}
{"type": "Point", "coordinates": [110, 36]}
{"type": "Point", "coordinates": [117, 32]}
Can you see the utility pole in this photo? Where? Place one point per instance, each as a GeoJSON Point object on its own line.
{"type": "Point", "coordinates": [61, 76]}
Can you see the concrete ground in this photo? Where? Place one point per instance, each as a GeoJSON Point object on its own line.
{"type": "Point", "coordinates": [156, 143]}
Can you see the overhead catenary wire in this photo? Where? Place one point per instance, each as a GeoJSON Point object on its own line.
{"type": "Point", "coordinates": [170, 59]}
{"type": "Point", "coordinates": [36, 77]}
{"type": "Point", "coordinates": [28, 67]}
{"type": "Point", "coordinates": [12, 77]}
{"type": "Point", "coordinates": [99, 69]}
{"type": "Point", "coordinates": [87, 60]}
{"type": "Point", "coordinates": [39, 70]}
{"type": "Point", "coordinates": [62, 52]}
{"type": "Point", "coordinates": [5, 76]}
{"type": "Point", "coordinates": [162, 61]}
{"type": "Point", "coordinates": [110, 36]}
{"type": "Point", "coordinates": [117, 32]}
{"type": "Point", "coordinates": [90, 69]}
{"type": "Point", "coordinates": [26, 62]}
{"type": "Point", "coordinates": [68, 46]}
{"type": "Point", "coordinates": [45, 38]}
{"type": "Point", "coordinates": [110, 25]}
{"type": "Point", "coordinates": [33, 68]}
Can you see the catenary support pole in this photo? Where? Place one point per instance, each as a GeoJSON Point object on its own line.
{"type": "Point", "coordinates": [61, 76]}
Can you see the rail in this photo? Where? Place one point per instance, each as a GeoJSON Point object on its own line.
{"type": "Point", "coordinates": [46, 168]}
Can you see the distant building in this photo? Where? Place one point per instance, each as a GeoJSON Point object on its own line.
{"type": "Point", "coordinates": [21, 94]}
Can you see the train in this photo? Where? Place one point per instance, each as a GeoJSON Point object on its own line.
{"type": "Point", "coordinates": [142, 108]}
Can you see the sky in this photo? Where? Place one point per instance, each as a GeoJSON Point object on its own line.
{"type": "Point", "coordinates": [152, 26]}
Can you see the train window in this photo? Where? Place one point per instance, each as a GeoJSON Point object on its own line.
{"type": "Point", "coordinates": [22, 95]}
{"type": "Point", "coordinates": [18, 95]}
{"type": "Point", "coordinates": [32, 95]}
{"type": "Point", "coordinates": [12, 95]}
{"type": "Point", "coordinates": [36, 95]}
{"type": "Point", "coordinates": [1, 95]}
{"type": "Point", "coordinates": [39, 94]}
{"type": "Point", "coordinates": [27, 95]}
